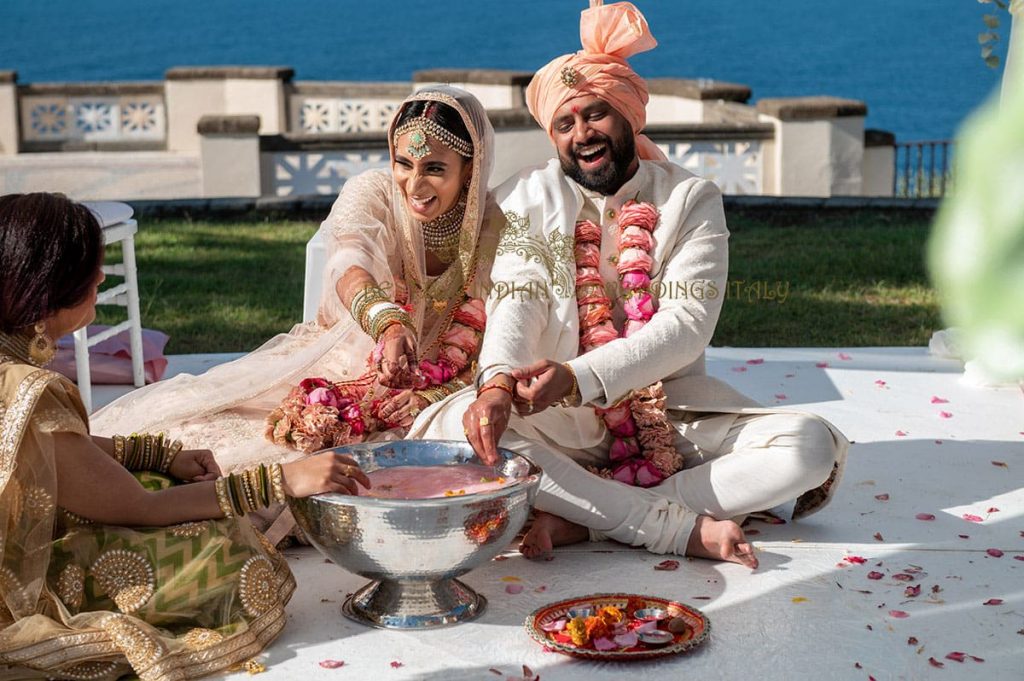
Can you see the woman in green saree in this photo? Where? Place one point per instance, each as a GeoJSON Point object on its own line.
{"type": "Point", "coordinates": [107, 566]}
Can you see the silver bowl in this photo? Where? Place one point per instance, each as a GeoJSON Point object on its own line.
{"type": "Point", "coordinates": [413, 549]}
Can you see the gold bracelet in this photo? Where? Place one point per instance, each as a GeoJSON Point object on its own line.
{"type": "Point", "coordinates": [363, 300]}
{"type": "Point", "coordinates": [236, 495]}
{"type": "Point", "coordinates": [265, 486]}
{"type": "Point", "coordinates": [220, 485]}
{"type": "Point", "coordinates": [170, 452]}
{"type": "Point", "coordinates": [573, 398]}
{"type": "Point", "coordinates": [119, 443]}
{"type": "Point", "coordinates": [385, 318]}
{"type": "Point", "coordinates": [277, 483]}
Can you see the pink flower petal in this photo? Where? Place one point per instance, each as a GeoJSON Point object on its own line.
{"type": "Point", "coordinates": [903, 577]}
{"type": "Point", "coordinates": [925, 516]}
{"type": "Point", "coordinates": [912, 591]}
{"type": "Point", "coordinates": [557, 625]}
{"type": "Point", "coordinates": [667, 565]}
{"type": "Point", "coordinates": [843, 356]}
{"type": "Point", "coordinates": [993, 601]}
{"type": "Point", "coordinates": [395, 664]}
{"type": "Point", "coordinates": [822, 365]}
{"type": "Point", "coordinates": [759, 360]}
{"type": "Point", "coordinates": [992, 509]}
{"type": "Point", "coordinates": [880, 383]}
{"type": "Point", "coordinates": [882, 497]}
{"type": "Point", "coordinates": [956, 657]}
{"type": "Point", "coordinates": [970, 517]}
{"type": "Point", "coordinates": [938, 442]}
{"type": "Point", "coordinates": [781, 396]}
{"type": "Point", "coordinates": [627, 640]}
{"type": "Point", "coordinates": [939, 400]}
{"type": "Point", "coordinates": [648, 626]}
{"type": "Point", "coordinates": [605, 644]}
{"type": "Point", "coordinates": [900, 433]}
{"type": "Point", "coordinates": [995, 553]}
{"type": "Point", "coordinates": [935, 663]}
{"type": "Point", "coordinates": [875, 575]}
{"type": "Point", "coordinates": [514, 589]}
{"type": "Point", "coordinates": [739, 369]}
{"type": "Point", "coordinates": [976, 658]}
{"type": "Point", "coordinates": [856, 560]}
{"type": "Point", "coordinates": [332, 664]}
{"type": "Point", "coordinates": [878, 536]}
{"type": "Point", "coordinates": [1018, 557]}
{"type": "Point", "coordinates": [899, 614]}
{"type": "Point", "coordinates": [945, 415]}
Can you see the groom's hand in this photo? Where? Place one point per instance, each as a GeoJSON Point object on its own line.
{"type": "Point", "coordinates": [540, 385]}
{"type": "Point", "coordinates": [485, 422]}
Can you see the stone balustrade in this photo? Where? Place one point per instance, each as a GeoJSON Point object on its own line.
{"type": "Point", "coordinates": [252, 131]}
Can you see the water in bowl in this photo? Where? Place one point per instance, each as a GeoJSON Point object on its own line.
{"type": "Point", "coordinates": [431, 482]}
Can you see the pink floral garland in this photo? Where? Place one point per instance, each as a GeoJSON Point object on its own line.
{"type": "Point", "coordinates": [643, 439]}
{"type": "Point", "coordinates": [318, 413]}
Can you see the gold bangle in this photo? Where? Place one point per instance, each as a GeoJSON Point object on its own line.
{"type": "Point", "coordinates": [119, 443]}
{"type": "Point", "coordinates": [277, 483]}
{"type": "Point", "coordinates": [171, 452]}
{"type": "Point", "coordinates": [236, 495]}
{"type": "Point", "coordinates": [265, 486]}
{"type": "Point", "coordinates": [573, 398]}
{"type": "Point", "coordinates": [220, 485]}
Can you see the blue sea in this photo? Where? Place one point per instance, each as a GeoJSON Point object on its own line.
{"type": "Point", "coordinates": [915, 62]}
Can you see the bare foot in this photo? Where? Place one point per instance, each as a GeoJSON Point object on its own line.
{"type": "Point", "coordinates": [720, 540]}
{"type": "Point", "coordinates": [547, 532]}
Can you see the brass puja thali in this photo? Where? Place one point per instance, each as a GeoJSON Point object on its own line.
{"type": "Point", "coordinates": [618, 627]}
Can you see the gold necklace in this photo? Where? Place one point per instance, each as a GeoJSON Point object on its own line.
{"type": "Point", "coordinates": [441, 235]}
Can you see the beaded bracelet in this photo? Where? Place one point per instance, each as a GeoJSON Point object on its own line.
{"type": "Point", "coordinates": [220, 485]}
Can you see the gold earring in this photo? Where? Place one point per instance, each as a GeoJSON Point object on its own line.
{"type": "Point", "coordinates": [42, 348]}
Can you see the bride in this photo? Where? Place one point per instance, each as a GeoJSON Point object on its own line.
{"type": "Point", "coordinates": [408, 266]}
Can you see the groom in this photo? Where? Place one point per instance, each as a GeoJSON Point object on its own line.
{"type": "Point", "coordinates": [539, 394]}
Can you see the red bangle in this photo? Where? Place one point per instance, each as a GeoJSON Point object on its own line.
{"type": "Point", "coordinates": [496, 386]}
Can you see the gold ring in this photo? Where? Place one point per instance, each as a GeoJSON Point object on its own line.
{"type": "Point", "coordinates": [529, 406]}
{"type": "Point", "coordinates": [484, 421]}
{"type": "Point", "coordinates": [465, 431]}
{"type": "Point", "coordinates": [414, 411]}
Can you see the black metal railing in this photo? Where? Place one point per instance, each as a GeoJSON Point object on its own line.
{"type": "Point", "coordinates": [923, 169]}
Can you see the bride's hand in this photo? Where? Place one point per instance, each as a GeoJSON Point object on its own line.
{"type": "Point", "coordinates": [399, 357]}
{"type": "Point", "coordinates": [401, 410]}
{"type": "Point", "coordinates": [324, 472]}
{"type": "Point", "coordinates": [194, 465]}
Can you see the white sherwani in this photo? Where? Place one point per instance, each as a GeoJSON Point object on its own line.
{"type": "Point", "coordinates": [532, 315]}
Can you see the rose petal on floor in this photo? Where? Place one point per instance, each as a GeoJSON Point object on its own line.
{"type": "Point", "coordinates": [925, 516]}
{"type": "Point", "coordinates": [993, 601]}
{"type": "Point", "coordinates": [995, 553]}
{"type": "Point", "coordinates": [970, 517]}
{"type": "Point", "coordinates": [939, 400]}
{"type": "Point", "coordinates": [899, 614]}
{"type": "Point", "coordinates": [332, 664]}
{"type": "Point", "coordinates": [668, 565]}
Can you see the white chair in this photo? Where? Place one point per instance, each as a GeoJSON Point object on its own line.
{"type": "Point", "coordinates": [118, 227]}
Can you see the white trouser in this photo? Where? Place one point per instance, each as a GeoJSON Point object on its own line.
{"type": "Point", "coordinates": [765, 460]}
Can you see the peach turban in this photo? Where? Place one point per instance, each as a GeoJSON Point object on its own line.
{"type": "Point", "coordinates": [609, 34]}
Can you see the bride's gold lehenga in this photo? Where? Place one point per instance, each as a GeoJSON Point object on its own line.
{"type": "Point", "coordinates": [225, 409]}
{"type": "Point", "coordinates": [89, 601]}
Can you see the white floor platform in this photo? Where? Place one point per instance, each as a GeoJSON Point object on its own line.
{"type": "Point", "coordinates": [931, 443]}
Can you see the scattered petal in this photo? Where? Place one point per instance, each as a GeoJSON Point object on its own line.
{"type": "Point", "coordinates": [956, 657]}
{"type": "Point", "coordinates": [395, 664]}
{"type": "Point", "coordinates": [667, 565]}
{"type": "Point", "coordinates": [970, 517]}
{"type": "Point", "coordinates": [758, 360]}
{"type": "Point", "coordinates": [993, 601]}
{"type": "Point", "coordinates": [875, 575]}
{"type": "Point", "coordinates": [856, 665]}
{"type": "Point", "coordinates": [627, 640]}
{"type": "Point", "coordinates": [856, 560]}
{"type": "Point", "coordinates": [939, 400]}
{"type": "Point", "coordinates": [912, 641]}
{"type": "Point", "coordinates": [800, 599]}
{"type": "Point", "coordinates": [1018, 557]}
{"type": "Point", "coordinates": [332, 664]}
{"type": "Point", "coordinates": [557, 625]}
{"type": "Point", "coordinates": [781, 396]}
{"type": "Point", "coordinates": [901, 433]}
{"type": "Point", "coordinates": [514, 589]}
{"type": "Point", "coordinates": [992, 509]}
{"type": "Point", "coordinates": [925, 516]}
{"type": "Point", "coordinates": [945, 415]}
{"type": "Point", "coordinates": [882, 497]}
{"type": "Point", "coordinates": [935, 663]}
{"type": "Point", "coordinates": [899, 614]}
{"type": "Point", "coordinates": [938, 442]}
{"type": "Point", "coordinates": [605, 644]}
{"type": "Point", "coordinates": [976, 658]}
{"type": "Point", "coordinates": [936, 589]}
{"type": "Point", "coordinates": [903, 577]}
{"type": "Point", "coordinates": [995, 553]}
{"type": "Point", "coordinates": [880, 383]}
{"type": "Point", "coordinates": [843, 356]}
{"type": "Point", "coordinates": [912, 591]}
{"type": "Point", "coordinates": [739, 370]}
{"type": "Point", "coordinates": [497, 672]}
{"type": "Point", "coordinates": [879, 537]}
{"type": "Point", "coordinates": [540, 589]}
{"type": "Point", "coordinates": [964, 536]}
{"type": "Point", "coordinates": [1000, 464]}
{"type": "Point", "coordinates": [822, 365]}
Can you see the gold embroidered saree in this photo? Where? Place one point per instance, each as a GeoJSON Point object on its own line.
{"type": "Point", "coordinates": [85, 601]}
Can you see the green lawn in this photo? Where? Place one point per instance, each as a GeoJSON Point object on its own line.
{"type": "Point", "coordinates": [853, 279]}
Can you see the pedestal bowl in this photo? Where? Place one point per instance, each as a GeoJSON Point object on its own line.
{"type": "Point", "coordinates": [414, 549]}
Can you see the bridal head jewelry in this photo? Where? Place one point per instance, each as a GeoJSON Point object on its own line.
{"type": "Point", "coordinates": [420, 128]}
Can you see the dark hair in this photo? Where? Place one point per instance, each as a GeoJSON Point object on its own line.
{"type": "Point", "coordinates": [439, 112]}
{"type": "Point", "coordinates": [51, 249]}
